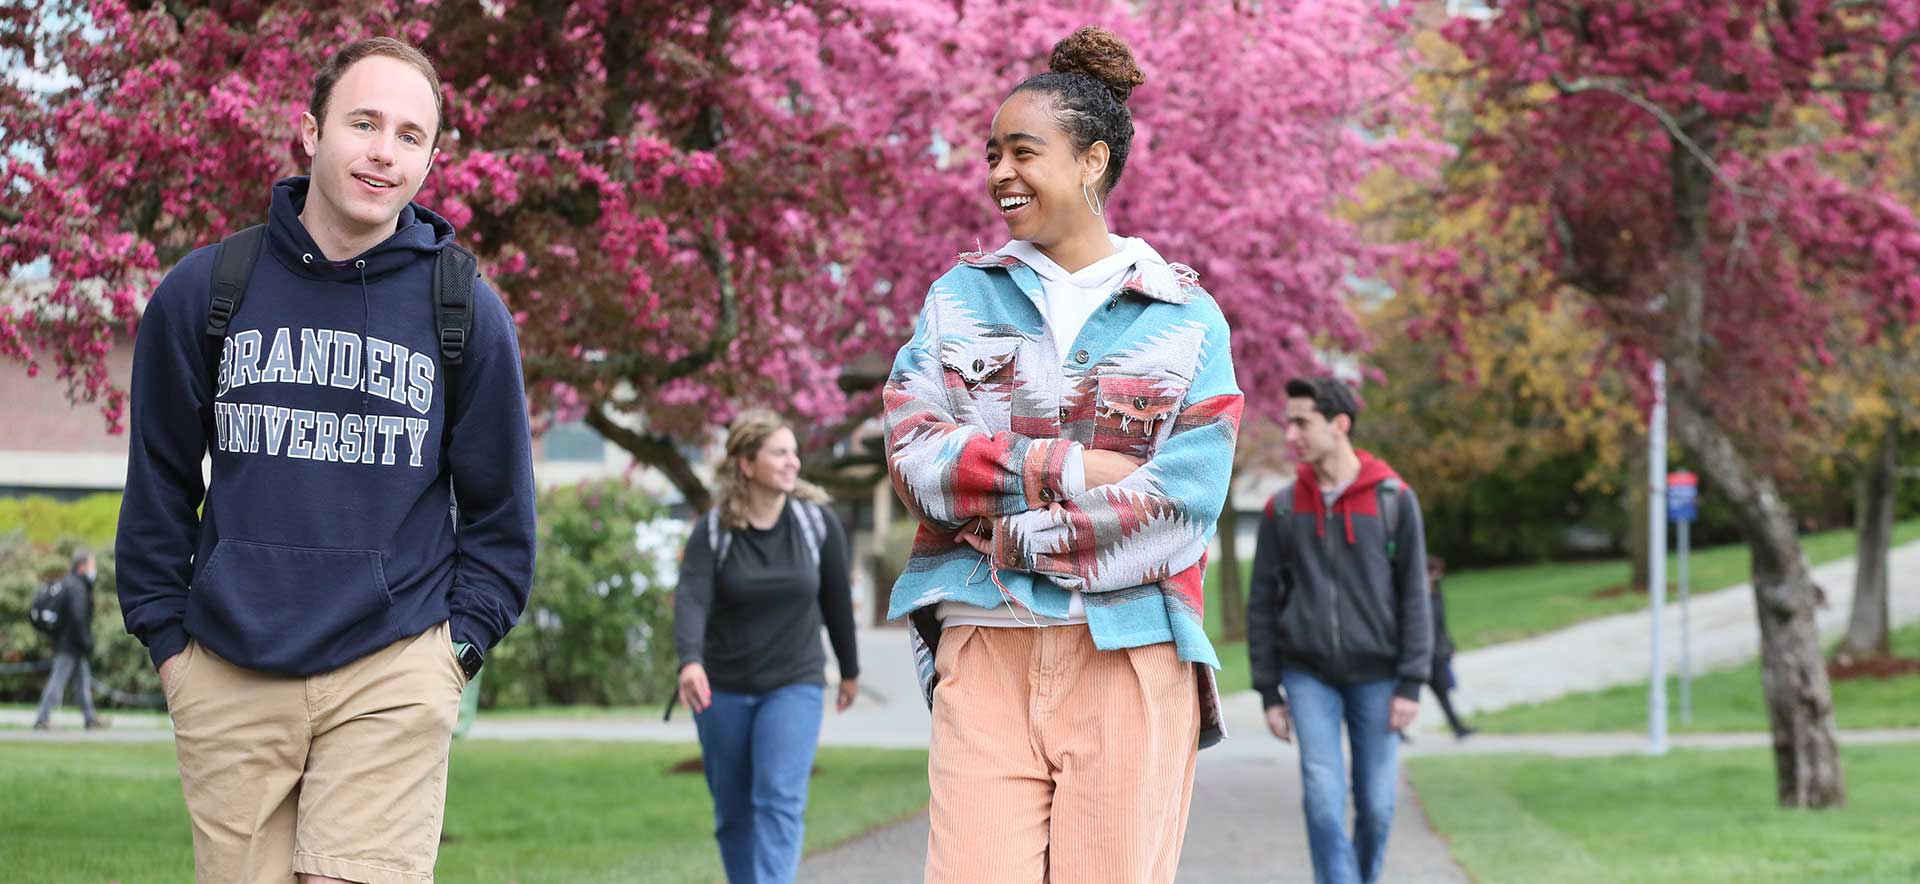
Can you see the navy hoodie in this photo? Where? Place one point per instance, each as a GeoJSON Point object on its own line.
{"type": "Point", "coordinates": [337, 448]}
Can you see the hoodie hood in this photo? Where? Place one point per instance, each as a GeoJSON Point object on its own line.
{"type": "Point", "coordinates": [420, 234]}
{"type": "Point", "coordinates": [1359, 497]}
{"type": "Point", "coordinates": [1151, 275]}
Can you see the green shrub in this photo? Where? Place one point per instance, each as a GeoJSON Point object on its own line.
{"type": "Point", "coordinates": [121, 669]}
{"type": "Point", "coordinates": [48, 523]}
{"type": "Point", "coordinates": [599, 627]}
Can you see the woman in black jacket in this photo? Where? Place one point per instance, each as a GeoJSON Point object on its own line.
{"type": "Point", "coordinates": [762, 573]}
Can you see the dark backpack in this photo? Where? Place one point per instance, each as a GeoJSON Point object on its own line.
{"type": "Point", "coordinates": [454, 271]}
{"type": "Point", "coordinates": [1384, 493]}
{"type": "Point", "coordinates": [47, 607]}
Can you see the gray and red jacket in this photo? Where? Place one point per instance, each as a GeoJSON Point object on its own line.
{"type": "Point", "coordinates": [1341, 594]}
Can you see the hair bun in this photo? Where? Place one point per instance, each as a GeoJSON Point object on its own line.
{"type": "Point", "coordinates": [1102, 55]}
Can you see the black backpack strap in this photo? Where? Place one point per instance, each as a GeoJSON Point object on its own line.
{"type": "Point", "coordinates": [453, 276]}
{"type": "Point", "coordinates": [232, 267]}
{"type": "Point", "coordinates": [233, 262]}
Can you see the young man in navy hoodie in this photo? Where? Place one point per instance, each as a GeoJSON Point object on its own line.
{"type": "Point", "coordinates": [313, 610]}
{"type": "Point", "coordinates": [1338, 626]}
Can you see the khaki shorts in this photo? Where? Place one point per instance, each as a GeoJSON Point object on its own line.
{"type": "Point", "coordinates": [342, 774]}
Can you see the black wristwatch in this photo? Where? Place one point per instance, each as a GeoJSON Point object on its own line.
{"type": "Point", "coordinates": [470, 658]}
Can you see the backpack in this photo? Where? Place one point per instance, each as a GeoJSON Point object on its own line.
{"type": "Point", "coordinates": [813, 529]}
{"type": "Point", "coordinates": [454, 271]}
{"type": "Point", "coordinates": [1383, 492]}
{"type": "Point", "coordinates": [45, 610]}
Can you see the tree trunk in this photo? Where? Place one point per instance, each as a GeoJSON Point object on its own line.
{"type": "Point", "coordinates": [1867, 626]}
{"type": "Point", "coordinates": [1233, 604]}
{"type": "Point", "coordinates": [1637, 529]}
{"type": "Point", "coordinates": [1793, 673]}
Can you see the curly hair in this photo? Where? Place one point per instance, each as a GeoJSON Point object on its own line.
{"type": "Point", "coordinates": [749, 432]}
{"type": "Point", "coordinates": [1092, 75]}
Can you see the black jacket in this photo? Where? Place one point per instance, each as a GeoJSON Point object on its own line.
{"type": "Point", "coordinates": [1333, 594]}
{"type": "Point", "coordinates": [74, 632]}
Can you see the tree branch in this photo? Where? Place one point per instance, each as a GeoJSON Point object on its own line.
{"type": "Point", "coordinates": [655, 451]}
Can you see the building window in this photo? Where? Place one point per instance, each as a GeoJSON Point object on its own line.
{"type": "Point", "coordinates": [575, 441]}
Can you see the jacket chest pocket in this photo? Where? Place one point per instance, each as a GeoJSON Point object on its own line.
{"type": "Point", "coordinates": [1134, 413]}
{"type": "Point", "coordinates": [981, 377]}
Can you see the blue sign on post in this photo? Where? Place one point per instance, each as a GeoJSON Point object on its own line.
{"type": "Point", "coordinates": [1683, 508]}
{"type": "Point", "coordinates": [1683, 497]}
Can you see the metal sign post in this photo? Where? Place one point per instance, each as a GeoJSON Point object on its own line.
{"type": "Point", "coordinates": [1683, 508]}
{"type": "Point", "coordinates": [1657, 559]}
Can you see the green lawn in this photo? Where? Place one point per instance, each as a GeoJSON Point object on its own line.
{"type": "Point", "coordinates": [1727, 700]}
{"type": "Point", "coordinates": [1494, 605]}
{"type": "Point", "coordinates": [561, 812]}
{"type": "Point", "coordinates": [1687, 818]}
{"type": "Point", "coordinates": [1502, 604]}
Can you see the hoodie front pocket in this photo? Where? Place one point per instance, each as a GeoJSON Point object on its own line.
{"type": "Point", "coordinates": [280, 608]}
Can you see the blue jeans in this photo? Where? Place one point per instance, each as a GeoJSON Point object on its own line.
{"type": "Point", "coordinates": [1318, 709]}
{"type": "Point", "coordinates": [757, 750]}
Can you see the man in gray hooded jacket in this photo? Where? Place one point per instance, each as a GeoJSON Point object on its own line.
{"type": "Point", "coordinates": [1338, 626]}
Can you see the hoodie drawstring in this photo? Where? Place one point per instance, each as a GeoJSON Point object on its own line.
{"type": "Point", "coordinates": [366, 322]}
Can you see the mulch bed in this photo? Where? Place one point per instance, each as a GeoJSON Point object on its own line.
{"type": "Point", "coordinates": [1874, 667]}
{"type": "Point", "coordinates": [1616, 591]}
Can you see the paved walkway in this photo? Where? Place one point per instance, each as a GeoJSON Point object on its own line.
{"type": "Point", "coordinates": [1618, 650]}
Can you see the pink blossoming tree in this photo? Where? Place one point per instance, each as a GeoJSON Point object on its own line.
{"type": "Point", "coordinates": [694, 206]}
{"type": "Point", "coordinates": [1672, 163]}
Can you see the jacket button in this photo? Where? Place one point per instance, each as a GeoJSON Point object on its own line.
{"type": "Point", "coordinates": [979, 365]}
{"type": "Point", "coordinates": [1112, 303]}
{"type": "Point", "coordinates": [1080, 357]}
{"type": "Point", "coordinates": [1046, 494]}
{"type": "Point", "coordinates": [1063, 414]}
{"type": "Point", "coordinates": [1140, 402]}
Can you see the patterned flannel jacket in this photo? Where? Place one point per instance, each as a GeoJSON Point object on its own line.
{"type": "Point", "coordinates": [984, 409]}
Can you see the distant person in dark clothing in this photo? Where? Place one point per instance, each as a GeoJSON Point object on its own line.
{"type": "Point", "coordinates": [762, 573]}
{"type": "Point", "coordinates": [1442, 680]}
{"type": "Point", "coordinates": [72, 644]}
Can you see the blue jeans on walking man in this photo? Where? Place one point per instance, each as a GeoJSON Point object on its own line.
{"type": "Point", "coordinates": [1318, 709]}
{"type": "Point", "coordinates": [758, 750]}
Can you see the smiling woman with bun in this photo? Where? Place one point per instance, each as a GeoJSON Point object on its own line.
{"type": "Point", "coordinates": [1062, 425]}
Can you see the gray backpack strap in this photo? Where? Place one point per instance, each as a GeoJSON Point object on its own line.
{"type": "Point", "coordinates": [813, 527]}
{"type": "Point", "coordinates": [718, 537]}
{"type": "Point", "coordinates": [1387, 492]}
